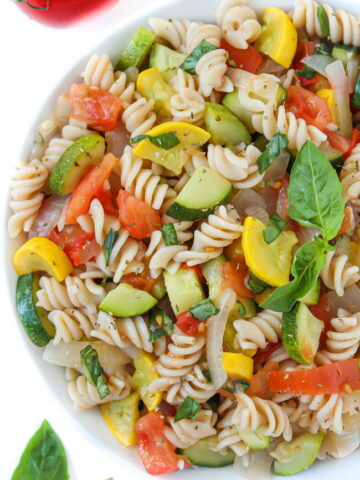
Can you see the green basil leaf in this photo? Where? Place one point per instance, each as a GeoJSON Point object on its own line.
{"type": "Point", "coordinates": [109, 243]}
{"type": "Point", "coordinates": [189, 408]}
{"type": "Point", "coordinates": [93, 371]}
{"type": "Point", "coordinates": [214, 402]}
{"type": "Point", "coordinates": [306, 72]}
{"type": "Point", "coordinates": [257, 285]}
{"type": "Point", "coordinates": [315, 192]}
{"type": "Point", "coordinates": [276, 226]}
{"type": "Point", "coordinates": [169, 234]}
{"type": "Point", "coordinates": [165, 140]}
{"type": "Point", "coordinates": [203, 310]}
{"type": "Point", "coordinates": [189, 64]}
{"type": "Point", "coordinates": [277, 143]}
{"type": "Point", "coordinates": [160, 324]}
{"type": "Point", "coordinates": [241, 309]}
{"type": "Point", "coordinates": [323, 21]}
{"type": "Point", "coordinates": [323, 48]}
{"type": "Point", "coordinates": [308, 262]}
{"type": "Point", "coordinates": [138, 139]}
{"type": "Point", "coordinates": [44, 457]}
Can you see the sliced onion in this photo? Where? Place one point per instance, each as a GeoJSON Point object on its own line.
{"type": "Point", "coordinates": [278, 168]}
{"type": "Point", "coordinates": [68, 355]}
{"type": "Point", "coordinates": [352, 70]}
{"type": "Point", "coordinates": [318, 62]}
{"type": "Point", "coordinates": [256, 465]}
{"type": "Point", "coordinates": [47, 217]}
{"type": "Point", "coordinates": [340, 84]}
{"type": "Point", "coordinates": [117, 140]}
{"type": "Point", "coordinates": [214, 338]}
{"type": "Point", "coordinates": [250, 203]}
{"type": "Point", "coordinates": [350, 301]}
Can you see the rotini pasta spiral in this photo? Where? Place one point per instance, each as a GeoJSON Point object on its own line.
{"type": "Point", "coordinates": [186, 432]}
{"type": "Point", "coordinates": [197, 32]}
{"type": "Point", "coordinates": [239, 24]}
{"type": "Point", "coordinates": [350, 177]}
{"type": "Point", "coordinates": [220, 230]}
{"type": "Point", "coordinates": [97, 222]}
{"type": "Point", "coordinates": [171, 31]}
{"type": "Point", "coordinates": [74, 130]}
{"type": "Point", "coordinates": [344, 27]}
{"type": "Point", "coordinates": [139, 117]}
{"type": "Point", "coordinates": [55, 149]}
{"type": "Point", "coordinates": [327, 412]}
{"type": "Point", "coordinates": [211, 69]}
{"type": "Point", "coordinates": [183, 80]}
{"type": "Point", "coordinates": [99, 72]}
{"type": "Point", "coordinates": [259, 330]}
{"type": "Point", "coordinates": [124, 89]}
{"type": "Point", "coordinates": [26, 196]}
{"type": "Point", "coordinates": [71, 324]}
{"type": "Point", "coordinates": [339, 445]}
{"type": "Point", "coordinates": [338, 274]}
{"type": "Point", "coordinates": [228, 434]}
{"type": "Point", "coordinates": [188, 106]}
{"type": "Point", "coordinates": [241, 168]}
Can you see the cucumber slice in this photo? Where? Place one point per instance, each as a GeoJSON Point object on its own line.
{"type": "Point", "coordinates": [225, 128]}
{"type": "Point", "coordinates": [136, 50]}
{"type": "Point", "coordinates": [301, 333]}
{"type": "Point", "coordinates": [205, 190]}
{"type": "Point", "coordinates": [75, 162]}
{"type": "Point", "coordinates": [159, 291]}
{"type": "Point", "coordinates": [165, 60]}
{"type": "Point", "coordinates": [127, 301]}
{"type": "Point", "coordinates": [254, 439]}
{"type": "Point", "coordinates": [343, 52]}
{"type": "Point", "coordinates": [231, 101]}
{"type": "Point", "coordinates": [212, 271]}
{"type": "Point", "coordinates": [298, 455]}
{"type": "Point", "coordinates": [313, 295]}
{"type": "Point", "coordinates": [203, 454]}
{"type": "Point", "coordinates": [184, 290]}
{"type": "Point", "coordinates": [34, 319]}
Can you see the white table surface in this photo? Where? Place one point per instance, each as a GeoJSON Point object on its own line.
{"type": "Point", "coordinates": [32, 58]}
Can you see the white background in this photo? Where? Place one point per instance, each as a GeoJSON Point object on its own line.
{"type": "Point", "coordinates": [33, 58]}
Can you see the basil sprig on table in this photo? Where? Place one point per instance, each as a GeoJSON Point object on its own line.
{"type": "Point", "coordinates": [276, 226]}
{"type": "Point", "coordinates": [189, 64]}
{"type": "Point", "coordinates": [93, 371]}
{"type": "Point", "coordinates": [189, 408]}
{"type": "Point", "coordinates": [278, 142]}
{"type": "Point", "coordinates": [44, 457]}
{"type": "Point", "coordinates": [160, 324]}
{"type": "Point", "coordinates": [109, 243]}
{"type": "Point", "coordinates": [323, 20]}
{"type": "Point", "coordinates": [315, 201]}
{"type": "Point", "coordinates": [165, 140]}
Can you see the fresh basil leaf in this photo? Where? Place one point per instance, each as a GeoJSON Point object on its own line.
{"type": "Point", "coordinates": [257, 285]}
{"type": "Point", "coordinates": [169, 234]}
{"type": "Point", "coordinates": [160, 324]}
{"type": "Point", "coordinates": [138, 139]}
{"type": "Point", "coordinates": [276, 226]}
{"type": "Point", "coordinates": [44, 457]}
{"type": "Point", "coordinates": [308, 262]}
{"type": "Point", "coordinates": [93, 371]}
{"type": "Point", "coordinates": [323, 20]}
{"type": "Point", "coordinates": [306, 72]}
{"type": "Point", "coordinates": [277, 143]}
{"type": "Point", "coordinates": [189, 408]}
{"type": "Point", "coordinates": [214, 402]}
{"type": "Point", "coordinates": [165, 140]}
{"type": "Point", "coordinates": [109, 243]}
{"type": "Point", "coordinates": [315, 192]}
{"type": "Point", "coordinates": [203, 310]}
{"type": "Point", "coordinates": [189, 64]}
{"type": "Point", "coordinates": [241, 309]}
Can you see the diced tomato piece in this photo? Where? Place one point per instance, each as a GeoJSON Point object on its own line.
{"type": "Point", "coordinates": [156, 452]}
{"type": "Point", "coordinates": [354, 141]}
{"type": "Point", "coordinates": [188, 324]}
{"type": "Point", "coordinates": [339, 142]}
{"type": "Point", "coordinates": [259, 382]}
{"type": "Point", "coordinates": [167, 409]}
{"type": "Point", "coordinates": [196, 269]}
{"type": "Point", "coordinates": [248, 59]}
{"type": "Point", "coordinates": [141, 281]}
{"type": "Point", "coordinates": [309, 106]}
{"type": "Point", "coordinates": [105, 196]}
{"type": "Point", "coordinates": [234, 274]}
{"type": "Point", "coordinates": [322, 312]}
{"type": "Point", "coordinates": [136, 216]}
{"type": "Point", "coordinates": [305, 49]}
{"type": "Point", "coordinates": [98, 108]}
{"type": "Point", "coordinates": [264, 353]}
{"type": "Point", "coordinates": [78, 245]}
{"type": "Point", "coordinates": [89, 187]}
{"type": "Point", "coordinates": [346, 223]}
{"type": "Point", "coordinates": [337, 377]}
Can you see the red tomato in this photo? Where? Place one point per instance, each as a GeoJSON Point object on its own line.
{"type": "Point", "coordinates": [98, 108]}
{"type": "Point", "coordinates": [197, 270]}
{"type": "Point", "coordinates": [141, 281]}
{"type": "Point", "coordinates": [89, 187]}
{"type": "Point", "coordinates": [136, 216]}
{"type": "Point", "coordinates": [156, 452]}
{"type": "Point", "coordinates": [336, 377]}
{"type": "Point", "coordinates": [234, 274]}
{"type": "Point", "coordinates": [249, 59]}
{"type": "Point", "coordinates": [305, 49]}
{"type": "Point", "coordinates": [263, 353]}
{"type": "Point", "coordinates": [259, 382]}
{"type": "Point", "coordinates": [346, 223]}
{"type": "Point", "coordinates": [78, 245]}
{"type": "Point", "coordinates": [309, 106]}
{"type": "Point", "coordinates": [354, 141]}
{"type": "Point", "coordinates": [105, 197]}
{"type": "Point", "coordinates": [188, 324]}
{"type": "Point", "coordinates": [339, 142]}
{"type": "Point", "coordinates": [322, 312]}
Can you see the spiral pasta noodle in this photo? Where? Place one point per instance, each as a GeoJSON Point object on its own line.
{"type": "Point", "coordinates": [198, 32]}
{"type": "Point", "coordinates": [71, 324]}
{"type": "Point", "coordinates": [339, 445]}
{"type": "Point", "coordinates": [99, 72]}
{"type": "Point", "coordinates": [338, 274]}
{"type": "Point", "coordinates": [139, 117]}
{"type": "Point", "coordinates": [188, 106]}
{"type": "Point", "coordinates": [97, 222]}
{"type": "Point", "coordinates": [53, 152]}
{"type": "Point", "coordinates": [259, 330]}
{"type": "Point", "coordinates": [228, 433]}
{"type": "Point", "coordinates": [171, 31]}
{"type": "Point", "coordinates": [211, 69]}
{"type": "Point", "coordinates": [183, 80]}
{"type": "Point", "coordinates": [74, 130]}
{"type": "Point", "coordinates": [350, 177]}
{"type": "Point", "coordinates": [186, 432]}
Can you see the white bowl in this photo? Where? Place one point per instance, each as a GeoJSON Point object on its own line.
{"type": "Point", "coordinates": [91, 423]}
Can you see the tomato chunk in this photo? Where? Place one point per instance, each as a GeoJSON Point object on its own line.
{"type": "Point", "coordinates": [248, 59]}
{"type": "Point", "coordinates": [89, 187]}
{"type": "Point", "coordinates": [98, 108]}
{"type": "Point", "coordinates": [105, 196]}
{"type": "Point", "coordinates": [339, 142]}
{"type": "Point", "coordinates": [141, 281]}
{"type": "Point", "coordinates": [136, 216]}
{"type": "Point", "coordinates": [309, 106]}
{"type": "Point", "coordinates": [234, 274]}
{"type": "Point", "coordinates": [156, 452]}
{"type": "Point", "coordinates": [259, 382]}
{"type": "Point", "coordinates": [188, 324]}
{"type": "Point", "coordinates": [305, 49]}
{"type": "Point", "coordinates": [78, 245]}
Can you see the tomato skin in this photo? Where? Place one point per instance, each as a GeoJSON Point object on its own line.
{"type": "Point", "coordinates": [327, 379]}
{"type": "Point", "coordinates": [339, 142]}
{"type": "Point", "coordinates": [196, 269]}
{"type": "Point", "coordinates": [78, 245]}
{"type": "Point", "coordinates": [105, 197]}
{"type": "Point", "coordinates": [309, 106]}
{"type": "Point", "coordinates": [234, 274]}
{"type": "Point", "coordinates": [136, 216]}
{"type": "Point", "coordinates": [354, 141]}
{"type": "Point", "coordinates": [188, 324]}
{"type": "Point", "coordinates": [248, 59]}
{"type": "Point", "coordinates": [156, 452]}
{"type": "Point", "coordinates": [259, 382]}
{"type": "Point", "coordinates": [98, 108]}
{"type": "Point", "coordinates": [346, 223]}
{"type": "Point", "coordinates": [88, 188]}
{"type": "Point", "coordinates": [322, 312]}
{"type": "Point", "coordinates": [141, 281]}
{"type": "Point", "coordinates": [264, 353]}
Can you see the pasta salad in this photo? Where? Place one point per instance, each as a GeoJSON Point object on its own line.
{"type": "Point", "coordinates": [189, 217]}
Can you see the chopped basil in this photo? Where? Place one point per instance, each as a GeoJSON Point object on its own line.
{"type": "Point", "coordinates": [323, 20]}
{"type": "Point", "coordinates": [109, 243]}
{"type": "Point", "coordinates": [160, 324]}
{"type": "Point", "coordinates": [93, 371]}
{"type": "Point", "coordinates": [189, 408]}
{"type": "Point", "coordinates": [203, 310]}
{"type": "Point", "coordinates": [241, 309]}
{"type": "Point", "coordinates": [169, 234]}
{"type": "Point", "coordinates": [276, 226]}
{"type": "Point", "coordinates": [189, 64]}
{"type": "Point", "coordinates": [257, 285]}
{"type": "Point", "coordinates": [273, 149]}
{"type": "Point", "coordinates": [214, 402]}
{"type": "Point", "coordinates": [165, 140]}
